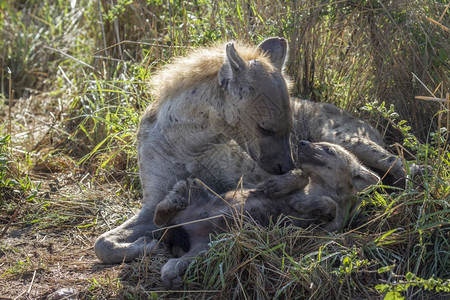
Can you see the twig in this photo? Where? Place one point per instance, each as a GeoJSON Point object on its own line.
{"type": "Point", "coordinates": [66, 78]}
{"type": "Point", "coordinates": [440, 100]}
{"type": "Point", "coordinates": [10, 100]}
{"type": "Point", "coordinates": [423, 84]}
{"type": "Point", "coordinates": [70, 56]}
{"type": "Point", "coordinates": [117, 33]}
{"type": "Point", "coordinates": [139, 43]}
{"type": "Point", "coordinates": [20, 295]}
{"type": "Point", "coordinates": [443, 27]}
{"type": "Point", "coordinates": [103, 28]}
{"type": "Point", "coordinates": [32, 281]}
{"type": "Point", "coordinates": [38, 144]}
{"type": "Point", "coordinates": [11, 220]}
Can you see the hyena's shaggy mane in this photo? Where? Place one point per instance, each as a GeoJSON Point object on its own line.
{"type": "Point", "coordinates": [198, 67]}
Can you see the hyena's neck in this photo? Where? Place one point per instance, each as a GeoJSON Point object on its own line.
{"type": "Point", "coordinates": [191, 121]}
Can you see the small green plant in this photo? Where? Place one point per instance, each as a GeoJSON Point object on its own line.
{"type": "Point", "coordinates": [396, 289]}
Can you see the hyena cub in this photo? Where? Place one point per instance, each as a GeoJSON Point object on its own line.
{"type": "Point", "coordinates": [324, 122]}
{"type": "Point", "coordinates": [193, 212]}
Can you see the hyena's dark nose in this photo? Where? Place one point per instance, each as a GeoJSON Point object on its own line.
{"type": "Point", "coordinates": [304, 143]}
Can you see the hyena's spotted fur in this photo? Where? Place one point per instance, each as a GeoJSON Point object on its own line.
{"type": "Point", "coordinates": [221, 113]}
{"type": "Point", "coordinates": [193, 212]}
{"type": "Point", "coordinates": [323, 122]}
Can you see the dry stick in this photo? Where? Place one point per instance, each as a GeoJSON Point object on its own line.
{"type": "Point", "coordinates": [443, 27]}
{"type": "Point", "coordinates": [171, 29]}
{"type": "Point", "coordinates": [11, 220]}
{"type": "Point", "coordinates": [10, 101]}
{"type": "Point", "coordinates": [116, 31]}
{"type": "Point", "coordinates": [71, 57]}
{"type": "Point", "coordinates": [38, 144]}
{"type": "Point", "coordinates": [2, 85]}
{"type": "Point", "coordinates": [139, 43]}
{"type": "Point", "coordinates": [446, 142]}
{"type": "Point", "coordinates": [32, 281]}
{"type": "Point", "coordinates": [434, 99]}
{"type": "Point", "coordinates": [103, 28]}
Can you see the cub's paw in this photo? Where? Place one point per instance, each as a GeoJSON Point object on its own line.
{"type": "Point", "coordinates": [281, 185]}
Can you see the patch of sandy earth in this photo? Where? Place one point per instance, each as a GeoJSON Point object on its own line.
{"type": "Point", "coordinates": [50, 261]}
{"type": "Point", "coordinates": [37, 259]}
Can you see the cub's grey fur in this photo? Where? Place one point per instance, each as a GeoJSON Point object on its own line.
{"type": "Point", "coordinates": [324, 122]}
{"type": "Point", "coordinates": [193, 212]}
{"type": "Point", "coordinates": [220, 113]}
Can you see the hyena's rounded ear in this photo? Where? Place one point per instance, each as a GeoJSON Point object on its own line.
{"type": "Point", "coordinates": [363, 178]}
{"type": "Point", "coordinates": [276, 49]}
{"type": "Point", "coordinates": [232, 67]}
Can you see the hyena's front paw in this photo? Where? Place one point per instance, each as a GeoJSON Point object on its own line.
{"type": "Point", "coordinates": [281, 185]}
{"type": "Point", "coordinates": [172, 281]}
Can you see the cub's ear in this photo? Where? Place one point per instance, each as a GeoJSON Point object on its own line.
{"type": "Point", "coordinates": [276, 49]}
{"type": "Point", "coordinates": [363, 178]}
{"type": "Point", "coordinates": [232, 67]}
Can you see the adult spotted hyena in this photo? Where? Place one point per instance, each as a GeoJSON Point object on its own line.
{"type": "Point", "coordinates": [324, 122]}
{"type": "Point", "coordinates": [192, 212]}
{"type": "Point", "coordinates": [220, 113]}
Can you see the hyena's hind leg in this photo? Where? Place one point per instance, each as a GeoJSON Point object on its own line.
{"type": "Point", "coordinates": [377, 158]}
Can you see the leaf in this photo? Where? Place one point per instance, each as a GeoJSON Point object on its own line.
{"type": "Point", "coordinates": [393, 295]}
{"type": "Point", "coordinates": [385, 269]}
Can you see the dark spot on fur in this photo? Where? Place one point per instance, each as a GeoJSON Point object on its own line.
{"type": "Point", "coordinates": [224, 83]}
{"type": "Point", "coordinates": [338, 133]}
{"type": "Point", "coordinates": [194, 91]}
{"type": "Point", "coordinates": [336, 125]}
{"type": "Point", "coordinates": [392, 159]}
{"type": "Point", "coordinates": [204, 214]}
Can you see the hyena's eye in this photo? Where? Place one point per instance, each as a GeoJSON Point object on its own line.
{"type": "Point", "coordinates": [266, 131]}
{"type": "Point", "coordinates": [329, 151]}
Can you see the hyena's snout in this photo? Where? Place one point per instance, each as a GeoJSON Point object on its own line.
{"type": "Point", "coordinates": [276, 158]}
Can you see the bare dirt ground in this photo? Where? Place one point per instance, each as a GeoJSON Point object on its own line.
{"type": "Point", "coordinates": [40, 259]}
{"type": "Point", "coordinates": [46, 241]}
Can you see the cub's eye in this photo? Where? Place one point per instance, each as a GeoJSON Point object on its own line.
{"type": "Point", "coordinates": [329, 151]}
{"type": "Point", "coordinates": [266, 131]}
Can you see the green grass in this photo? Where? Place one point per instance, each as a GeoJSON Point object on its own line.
{"type": "Point", "coordinates": [68, 168]}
